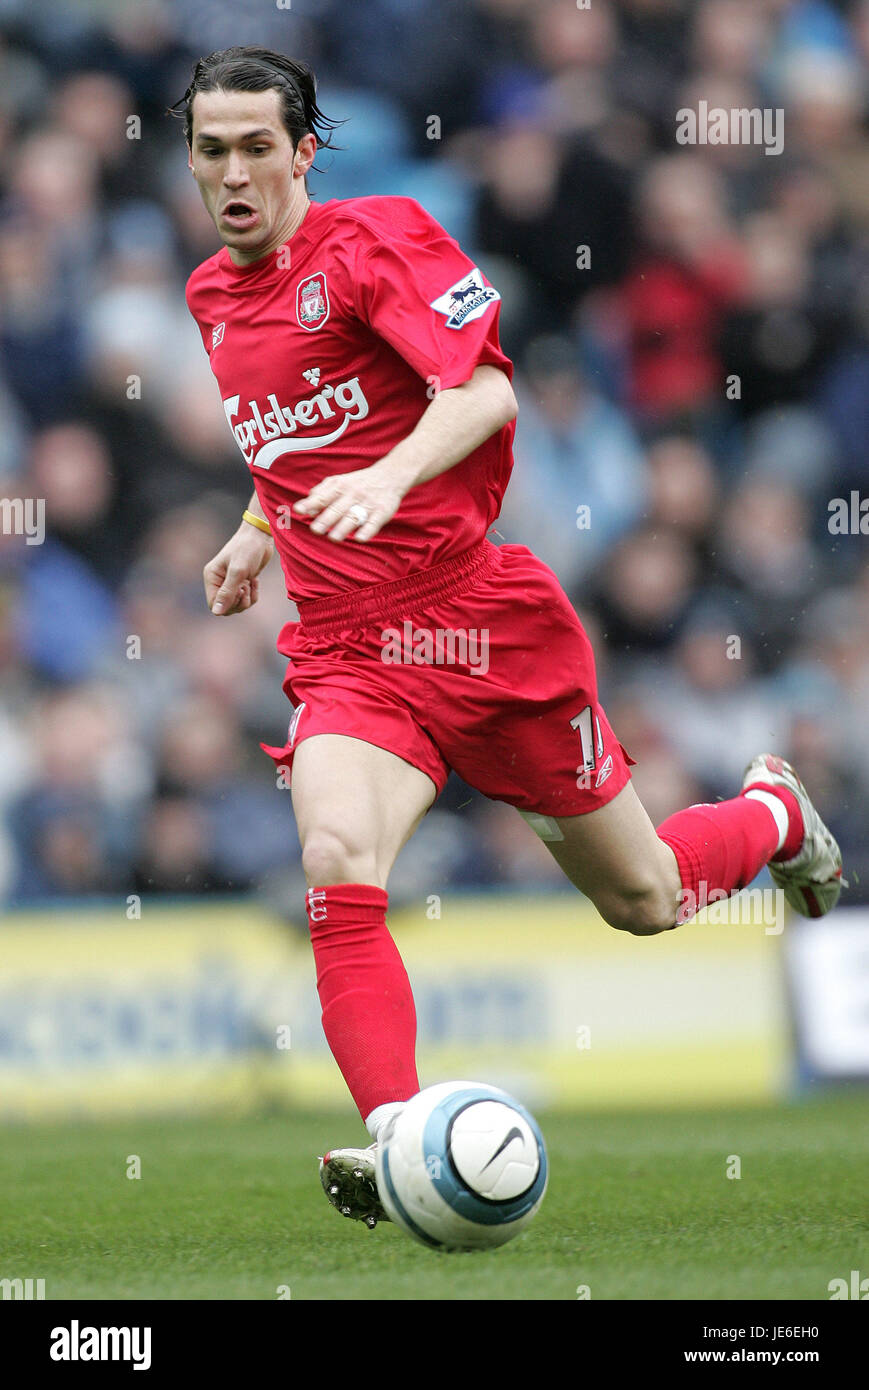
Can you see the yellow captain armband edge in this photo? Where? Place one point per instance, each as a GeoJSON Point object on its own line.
{"type": "Point", "coordinates": [256, 521]}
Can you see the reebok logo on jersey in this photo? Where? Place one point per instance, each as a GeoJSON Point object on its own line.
{"type": "Point", "coordinates": [604, 772]}
{"type": "Point", "coordinates": [466, 300]}
{"type": "Point", "coordinates": [217, 335]}
{"type": "Point", "coordinates": [263, 436]}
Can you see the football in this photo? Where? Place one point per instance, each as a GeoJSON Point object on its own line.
{"type": "Point", "coordinates": [462, 1167]}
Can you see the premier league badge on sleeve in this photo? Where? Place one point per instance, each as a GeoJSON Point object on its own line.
{"type": "Point", "coordinates": [312, 302]}
{"type": "Point", "coordinates": [467, 299]}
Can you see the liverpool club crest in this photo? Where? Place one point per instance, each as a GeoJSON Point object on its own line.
{"type": "Point", "coordinates": [312, 302]}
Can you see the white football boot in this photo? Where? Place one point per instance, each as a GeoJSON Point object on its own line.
{"type": "Point", "coordinates": [348, 1178]}
{"type": "Point", "coordinates": [812, 880]}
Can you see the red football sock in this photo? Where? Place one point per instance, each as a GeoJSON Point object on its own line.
{"type": "Point", "coordinates": [796, 829]}
{"type": "Point", "coordinates": [719, 846]}
{"type": "Point", "coordinates": [369, 1016]}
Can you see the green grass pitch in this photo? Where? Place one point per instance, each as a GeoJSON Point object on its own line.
{"type": "Point", "coordinates": [639, 1207]}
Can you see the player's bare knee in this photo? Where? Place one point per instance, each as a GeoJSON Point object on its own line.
{"type": "Point", "coordinates": [643, 913]}
{"type": "Point", "coordinates": [330, 856]}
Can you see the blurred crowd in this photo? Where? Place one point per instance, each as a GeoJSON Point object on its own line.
{"type": "Point", "coordinates": [690, 327]}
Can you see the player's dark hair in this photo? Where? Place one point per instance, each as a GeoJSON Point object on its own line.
{"type": "Point", "coordinates": [259, 70]}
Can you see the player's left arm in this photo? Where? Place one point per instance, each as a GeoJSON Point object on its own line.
{"type": "Point", "coordinates": [456, 422]}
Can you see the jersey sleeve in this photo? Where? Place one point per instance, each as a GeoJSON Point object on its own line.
{"type": "Point", "coordinates": [416, 288]}
{"type": "Point", "coordinates": [194, 297]}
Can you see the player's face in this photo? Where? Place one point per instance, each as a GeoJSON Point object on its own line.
{"type": "Point", "coordinates": [251, 180]}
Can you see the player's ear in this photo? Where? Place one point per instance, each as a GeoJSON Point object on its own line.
{"type": "Point", "coordinates": [306, 153]}
{"type": "Point", "coordinates": [190, 159]}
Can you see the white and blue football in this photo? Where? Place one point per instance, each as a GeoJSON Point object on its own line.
{"type": "Point", "coordinates": [462, 1167]}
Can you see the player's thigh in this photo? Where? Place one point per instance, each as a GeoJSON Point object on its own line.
{"type": "Point", "coordinates": [355, 806]}
{"type": "Point", "coordinates": [615, 857]}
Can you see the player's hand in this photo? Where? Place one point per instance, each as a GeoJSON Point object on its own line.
{"type": "Point", "coordinates": [376, 489]}
{"type": "Point", "coordinates": [231, 578]}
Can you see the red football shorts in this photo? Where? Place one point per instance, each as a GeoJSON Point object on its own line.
{"type": "Point", "coordinates": [478, 664]}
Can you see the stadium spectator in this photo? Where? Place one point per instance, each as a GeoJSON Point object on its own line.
{"type": "Point", "coordinates": [128, 724]}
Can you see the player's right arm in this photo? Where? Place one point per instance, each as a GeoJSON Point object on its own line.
{"type": "Point", "coordinates": [232, 577]}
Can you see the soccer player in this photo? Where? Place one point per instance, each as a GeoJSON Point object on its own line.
{"type": "Point", "coordinates": [356, 351]}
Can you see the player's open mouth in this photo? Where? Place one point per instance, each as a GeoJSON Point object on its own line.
{"type": "Point", "coordinates": [240, 215]}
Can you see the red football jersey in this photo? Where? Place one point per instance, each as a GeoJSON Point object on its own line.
{"type": "Point", "coordinates": [327, 352]}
